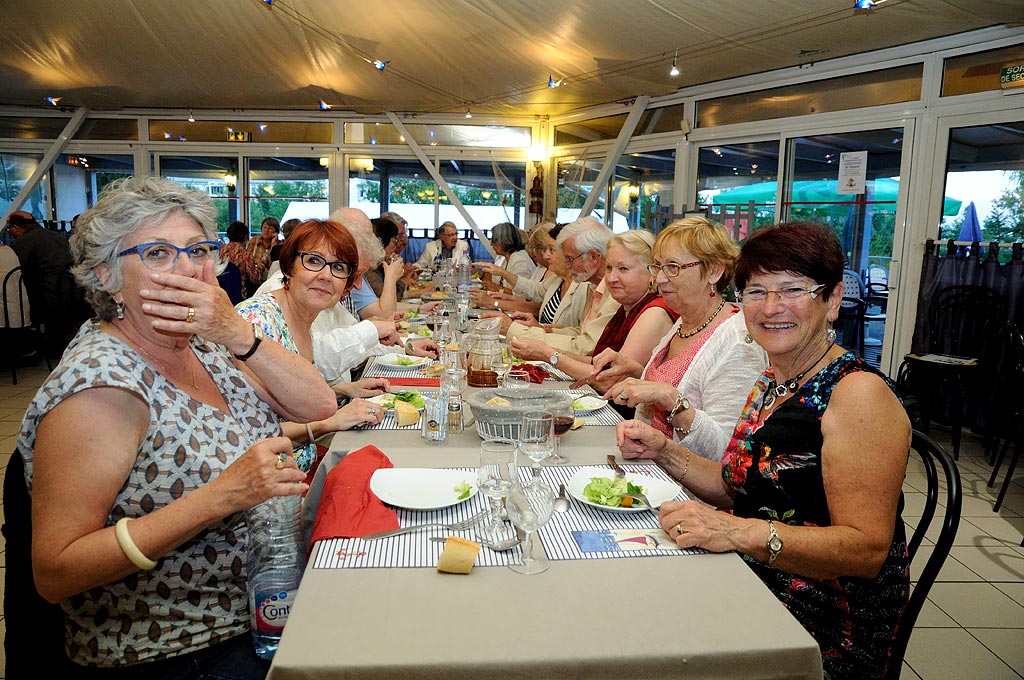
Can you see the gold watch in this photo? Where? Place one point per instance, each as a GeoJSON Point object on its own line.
{"type": "Point", "coordinates": [774, 543]}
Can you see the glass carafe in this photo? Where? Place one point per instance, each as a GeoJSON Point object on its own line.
{"type": "Point", "coordinates": [483, 346]}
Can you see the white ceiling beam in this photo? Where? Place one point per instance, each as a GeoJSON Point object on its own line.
{"type": "Point", "coordinates": [441, 182]}
{"type": "Point", "coordinates": [613, 156]}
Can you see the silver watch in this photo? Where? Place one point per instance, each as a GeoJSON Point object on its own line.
{"type": "Point", "coordinates": [553, 359]}
{"type": "Point", "coordinates": [774, 543]}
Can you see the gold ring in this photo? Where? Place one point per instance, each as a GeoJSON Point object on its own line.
{"type": "Point", "coordinates": [373, 411]}
{"type": "Point", "coordinates": [622, 397]}
{"type": "Point", "coordinates": [282, 458]}
{"type": "Point", "coordinates": [191, 315]}
{"type": "Point", "coordinates": [678, 529]}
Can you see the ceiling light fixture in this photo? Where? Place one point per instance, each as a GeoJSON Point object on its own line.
{"type": "Point", "coordinates": [263, 127]}
{"type": "Point", "coordinates": [380, 65]}
{"type": "Point", "coordinates": [191, 117]}
{"type": "Point", "coordinates": [554, 83]}
{"type": "Point", "coordinates": [675, 65]}
{"type": "Point", "coordinates": [324, 106]}
{"type": "Point", "coordinates": [863, 6]}
{"type": "Point", "coordinates": [53, 100]}
{"type": "Point", "coordinates": [469, 114]}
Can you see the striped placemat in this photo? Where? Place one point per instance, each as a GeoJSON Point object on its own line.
{"type": "Point", "coordinates": [380, 370]}
{"type": "Point", "coordinates": [389, 422]}
{"type": "Point", "coordinates": [605, 415]}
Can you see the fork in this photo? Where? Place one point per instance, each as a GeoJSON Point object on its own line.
{"type": "Point", "coordinates": [619, 472]}
{"type": "Point", "coordinates": [643, 499]}
{"type": "Point", "coordinates": [455, 526]}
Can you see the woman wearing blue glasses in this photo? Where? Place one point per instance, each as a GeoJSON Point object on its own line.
{"type": "Point", "coordinates": [159, 428]}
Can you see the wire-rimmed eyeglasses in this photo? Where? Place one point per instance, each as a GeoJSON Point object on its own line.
{"type": "Point", "coordinates": [340, 269]}
{"type": "Point", "coordinates": [757, 295]}
{"type": "Point", "coordinates": [161, 257]}
{"type": "Point", "coordinates": [671, 269]}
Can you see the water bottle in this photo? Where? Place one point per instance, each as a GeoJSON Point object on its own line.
{"type": "Point", "coordinates": [276, 560]}
{"type": "Point", "coordinates": [465, 272]}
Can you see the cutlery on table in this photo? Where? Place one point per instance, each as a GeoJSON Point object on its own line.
{"type": "Point", "coordinates": [561, 503]}
{"type": "Point", "coordinates": [455, 526]}
{"type": "Point", "coordinates": [619, 472]}
{"type": "Point", "coordinates": [643, 499]}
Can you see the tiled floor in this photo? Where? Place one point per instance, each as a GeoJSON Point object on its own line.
{"type": "Point", "coordinates": [971, 627]}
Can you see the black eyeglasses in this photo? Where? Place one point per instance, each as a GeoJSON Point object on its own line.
{"type": "Point", "coordinates": [161, 257]}
{"type": "Point", "coordinates": [671, 269]}
{"type": "Point", "coordinates": [340, 269]}
{"type": "Point", "coordinates": [570, 260]}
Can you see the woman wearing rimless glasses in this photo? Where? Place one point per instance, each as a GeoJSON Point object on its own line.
{"type": "Point", "coordinates": [694, 385]}
{"type": "Point", "coordinates": [318, 261]}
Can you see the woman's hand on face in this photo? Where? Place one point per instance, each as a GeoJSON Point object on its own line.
{"type": "Point", "coordinates": [639, 440]}
{"type": "Point", "coordinates": [267, 469]}
{"type": "Point", "coordinates": [692, 524]}
{"type": "Point", "coordinates": [355, 413]}
{"type": "Point", "coordinates": [423, 348]}
{"type": "Point", "coordinates": [531, 350]}
{"type": "Point", "coordinates": [632, 392]}
{"type": "Point", "coordinates": [172, 296]}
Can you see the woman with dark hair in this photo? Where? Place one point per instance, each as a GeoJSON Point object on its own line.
{"type": "Point", "coordinates": [235, 251]}
{"type": "Point", "coordinates": [319, 263]}
{"type": "Point", "coordinates": [809, 488]}
{"type": "Point", "coordinates": [259, 248]}
{"type": "Point", "coordinates": [510, 255]}
{"type": "Point", "coordinates": [390, 271]}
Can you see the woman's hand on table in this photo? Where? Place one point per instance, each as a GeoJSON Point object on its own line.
{"type": "Point", "coordinates": [355, 413]}
{"type": "Point", "coordinates": [639, 440]}
{"type": "Point", "coordinates": [387, 331]}
{"type": "Point", "coordinates": [633, 392]}
{"type": "Point", "coordinates": [692, 524]}
{"type": "Point", "coordinates": [213, 317]}
{"type": "Point", "coordinates": [367, 387]}
{"type": "Point", "coordinates": [531, 350]}
{"type": "Point", "coordinates": [422, 348]}
{"type": "Point", "coordinates": [482, 300]}
{"type": "Point", "coordinates": [267, 469]}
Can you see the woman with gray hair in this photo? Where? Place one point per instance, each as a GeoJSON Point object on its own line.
{"type": "Point", "coordinates": [162, 423]}
{"type": "Point", "coordinates": [510, 255]}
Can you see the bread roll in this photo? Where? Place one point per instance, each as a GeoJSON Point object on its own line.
{"type": "Point", "coordinates": [458, 556]}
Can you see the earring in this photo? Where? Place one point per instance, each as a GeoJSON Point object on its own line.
{"type": "Point", "coordinates": [747, 339]}
{"type": "Point", "coordinates": [831, 334]}
{"type": "Point", "coordinates": [652, 286]}
{"type": "Point", "coordinates": [712, 292]}
{"type": "Point", "coordinates": [119, 308]}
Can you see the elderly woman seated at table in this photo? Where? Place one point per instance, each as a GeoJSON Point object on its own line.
{"type": "Point", "coordinates": [698, 377]}
{"type": "Point", "coordinates": [810, 484]}
{"type": "Point", "coordinates": [318, 262]}
{"type": "Point", "coordinates": [640, 322]}
{"type": "Point", "coordinates": [156, 431]}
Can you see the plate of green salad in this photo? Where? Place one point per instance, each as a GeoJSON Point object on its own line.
{"type": "Point", "coordinates": [388, 400]}
{"type": "Point", "coordinates": [587, 404]}
{"type": "Point", "coordinates": [600, 488]}
{"type": "Point", "coordinates": [403, 361]}
{"type": "Point", "coordinates": [423, 488]}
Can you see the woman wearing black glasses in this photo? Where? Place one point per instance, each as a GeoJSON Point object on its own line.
{"type": "Point", "coordinates": [157, 430]}
{"type": "Point", "coordinates": [698, 376]}
{"type": "Point", "coordinates": [318, 261]}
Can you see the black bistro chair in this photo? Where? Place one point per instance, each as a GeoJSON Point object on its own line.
{"type": "Point", "coordinates": [17, 336]}
{"type": "Point", "coordinates": [934, 457]}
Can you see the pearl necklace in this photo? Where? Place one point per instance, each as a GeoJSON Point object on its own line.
{"type": "Point", "coordinates": [698, 329]}
{"type": "Point", "coordinates": [775, 390]}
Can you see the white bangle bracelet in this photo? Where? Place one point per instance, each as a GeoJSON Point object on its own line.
{"type": "Point", "coordinates": [131, 551]}
{"type": "Point", "coordinates": [309, 433]}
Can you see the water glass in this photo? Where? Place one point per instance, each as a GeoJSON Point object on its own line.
{"type": "Point", "coordinates": [529, 507]}
{"type": "Point", "coordinates": [537, 438]}
{"type": "Point", "coordinates": [495, 477]}
{"type": "Point", "coordinates": [500, 364]}
{"type": "Point", "coordinates": [517, 378]}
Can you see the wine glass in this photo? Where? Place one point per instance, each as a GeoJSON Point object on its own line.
{"type": "Point", "coordinates": [537, 438]}
{"type": "Point", "coordinates": [565, 416]}
{"type": "Point", "coordinates": [517, 378]}
{"type": "Point", "coordinates": [529, 507]}
{"type": "Point", "coordinates": [500, 364]}
{"type": "Point", "coordinates": [495, 478]}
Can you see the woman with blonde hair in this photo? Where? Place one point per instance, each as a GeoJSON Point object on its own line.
{"type": "Point", "coordinates": [697, 378]}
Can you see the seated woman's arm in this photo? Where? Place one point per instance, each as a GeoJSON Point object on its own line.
{"type": "Point", "coordinates": [85, 449]}
{"type": "Point", "coordinates": [353, 414]}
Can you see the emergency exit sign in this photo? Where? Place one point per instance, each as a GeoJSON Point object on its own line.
{"type": "Point", "coordinates": [1011, 76]}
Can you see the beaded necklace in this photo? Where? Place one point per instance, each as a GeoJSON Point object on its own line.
{"type": "Point", "coordinates": [698, 329]}
{"type": "Point", "coordinates": [779, 391]}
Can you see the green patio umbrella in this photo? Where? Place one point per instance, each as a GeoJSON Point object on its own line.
{"type": "Point", "coordinates": [820, 191]}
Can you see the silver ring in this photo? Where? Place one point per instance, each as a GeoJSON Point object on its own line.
{"type": "Point", "coordinates": [622, 397]}
{"type": "Point", "coordinates": [373, 411]}
{"type": "Point", "coordinates": [191, 315]}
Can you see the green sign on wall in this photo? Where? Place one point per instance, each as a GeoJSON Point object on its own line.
{"type": "Point", "coordinates": [1011, 76]}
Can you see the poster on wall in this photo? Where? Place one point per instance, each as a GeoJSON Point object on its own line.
{"type": "Point", "coordinates": [853, 170]}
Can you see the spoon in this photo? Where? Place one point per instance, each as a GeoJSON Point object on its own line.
{"type": "Point", "coordinates": [501, 546]}
{"type": "Point", "coordinates": [561, 503]}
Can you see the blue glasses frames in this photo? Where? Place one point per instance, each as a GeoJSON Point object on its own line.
{"type": "Point", "coordinates": [161, 257]}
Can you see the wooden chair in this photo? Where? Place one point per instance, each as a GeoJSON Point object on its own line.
{"type": "Point", "coordinates": [933, 456]}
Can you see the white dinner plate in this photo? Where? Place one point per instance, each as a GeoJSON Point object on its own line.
{"type": "Point", "coordinates": [416, 336]}
{"type": "Point", "coordinates": [421, 488]}
{"type": "Point", "coordinates": [588, 404]}
{"type": "Point", "coordinates": [657, 490]}
{"type": "Point", "coordinates": [391, 361]}
{"type": "Point", "coordinates": [379, 400]}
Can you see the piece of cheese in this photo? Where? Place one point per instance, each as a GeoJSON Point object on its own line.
{"type": "Point", "coordinates": [458, 556]}
{"type": "Point", "coordinates": [406, 413]}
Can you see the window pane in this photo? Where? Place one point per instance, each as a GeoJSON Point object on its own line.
{"type": "Point", "coordinates": [15, 170]}
{"type": "Point", "coordinates": [977, 72]}
{"type": "Point", "coordinates": [216, 176]}
{"type": "Point", "coordinates": [31, 128]}
{"type": "Point", "coordinates": [287, 188]}
{"type": "Point", "coordinates": [736, 179]}
{"type": "Point", "coordinates": [575, 182]}
{"type": "Point", "coordinates": [81, 177]}
{"type": "Point", "coordinates": [274, 132]}
{"type": "Point", "coordinates": [889, 86]}
{"type": "Point", "coordinates": [493, 136]}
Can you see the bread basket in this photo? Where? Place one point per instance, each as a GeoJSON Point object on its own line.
{"type": "Point", "coordinates": [502, 422]}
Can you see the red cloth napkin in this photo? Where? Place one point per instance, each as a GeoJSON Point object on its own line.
{"type": "Point", "coordinates": [415, 382]}
{"type": "Point", "coordinates": [347, 506]}
{"type": "Point", "coordinates": [536, 373]}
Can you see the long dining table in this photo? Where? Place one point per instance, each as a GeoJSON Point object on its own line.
{"type": "Point", "coordinates": [695, 616]}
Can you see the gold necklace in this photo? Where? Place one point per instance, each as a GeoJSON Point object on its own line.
{"type": "Point", "coordinates": [191, 368]}
{"type": "Point", "coordinates": [698, 329]}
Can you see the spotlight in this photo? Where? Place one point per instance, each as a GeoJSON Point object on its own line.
{"type": "Point", "coordinates": [53, 100]}
{"type": "Point", "coordinates": [263, 127]}
{"type": "Point", "coordinates": [191, 117]}
{"type": "Point", "coordinates": [863, 6]}
{"type": "Point", "coordinates": [167, 135]}
{"type": "Point", "coordinates": [554, 83]}
{"type": "Point", "coordinates": [324, 106]}
{"type": "Point", "coordinates": [380, 65]}
{"type": "Point", "coordinates": [469, 114]}
{"type": "Point", "coordinates": [675, 65]}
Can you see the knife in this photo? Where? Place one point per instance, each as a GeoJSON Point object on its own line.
{"type": "Point", "coordinates": [619, 472]}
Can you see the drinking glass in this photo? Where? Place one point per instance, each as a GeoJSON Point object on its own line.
{"type": "Point", "coordinates": [537, 438]}
{"type": "Point", "coordinates": [565, 416]}
{"type": "Point", "coordinates": [529, 507]}
{"type": "Point", "coordinates": [495, 478]}
{"type": "Point", "coordinates": [517, 378]}
{"type": "Point", "coordinates": [500, 364]}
